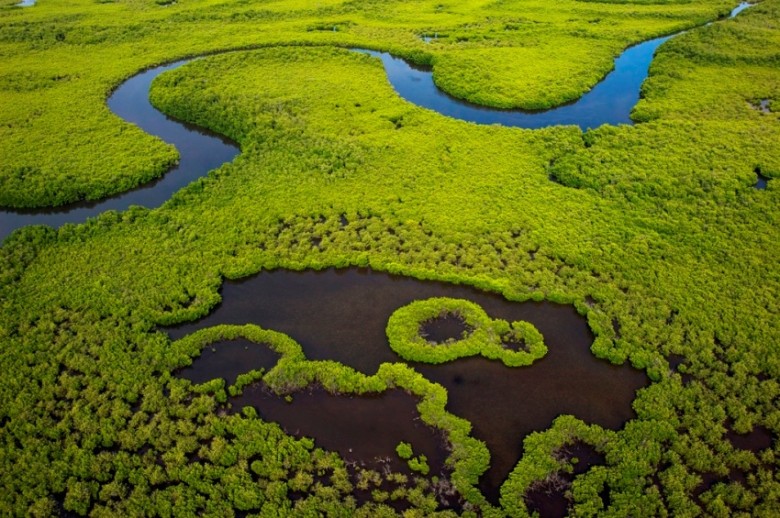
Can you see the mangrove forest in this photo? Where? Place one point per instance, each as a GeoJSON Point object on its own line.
{"type": "Point", "coordinates": [379, 258]}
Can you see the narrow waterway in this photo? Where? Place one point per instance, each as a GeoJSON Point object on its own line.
{"type": "Point", "coordinates": [200, 151]}
{"type": "Point", "coordinates": [609, 102]}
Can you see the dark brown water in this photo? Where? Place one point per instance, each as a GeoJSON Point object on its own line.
{"type": "Point", "coordinates": [504, 405]}
{"type": "Point", "coordinates": [759, 438]}
{"type": "Point", "coordinates": [548, 498]}
{"type": "Point", "coordinates": [341, 315]}
{"type": "Point", "coordinates": [445, 328]}
{"type": "Point", "coordinates": [363, 429]}
{"type": "Point", "coordinates": [676, 361]}
{"type": "Point", "coordinates": [227, 360]}
{"type": "Point", "coordinates": [756, 440]}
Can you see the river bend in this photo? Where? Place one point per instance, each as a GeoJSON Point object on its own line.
{"type": "Point", "coordinates": [609, 102]}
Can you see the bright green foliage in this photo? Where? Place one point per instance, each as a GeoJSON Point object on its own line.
{"type": "Point", "coordinates": [60, 61]}
{"type": "Point", "coordinates": [654, 232]}
{"type": "Point", "coordinates": [485, 336]}
{"type": "Point", "coordinates": [545, 73]}
{"type": "Point", "coordinates": [419, 464]}
{"type": "Point", "coordinates": [404, 450]}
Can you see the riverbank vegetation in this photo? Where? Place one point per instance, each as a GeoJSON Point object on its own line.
{"type": "Point", "coordinates": [61, 61]}
{"type": "Point", "coordinates": [654, 232]}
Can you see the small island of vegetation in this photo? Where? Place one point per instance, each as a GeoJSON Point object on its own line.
{"type": "Point", "coordinates": [482, 336]}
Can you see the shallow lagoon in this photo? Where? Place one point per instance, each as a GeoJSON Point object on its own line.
{"type": "Point", "coordinates": [341, 315]}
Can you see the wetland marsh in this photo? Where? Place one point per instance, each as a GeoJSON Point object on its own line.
{"type": "Point", "coordinates": [610, 101]}
{"type": "Point", "coordinates": [292, 329]}
{"type": "Point", "coordinates": [341, 315]}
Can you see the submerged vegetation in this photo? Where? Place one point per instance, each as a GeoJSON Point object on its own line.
{"type": "Point", "coordinates": [654, 232]}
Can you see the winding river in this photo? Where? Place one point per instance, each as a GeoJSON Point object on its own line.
{"type": "Point", "coordinates": [609, 102]}
{"type": "Point", "coordinates": [200, 151]}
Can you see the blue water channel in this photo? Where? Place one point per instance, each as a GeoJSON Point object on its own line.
{"type": "Point", "coordinates": [200, 151]}
{"type": "Point", "coordinates": [609, 102]}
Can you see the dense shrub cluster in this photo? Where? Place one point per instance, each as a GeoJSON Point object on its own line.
{"type": "Point", "coordinates": [486, 337]}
